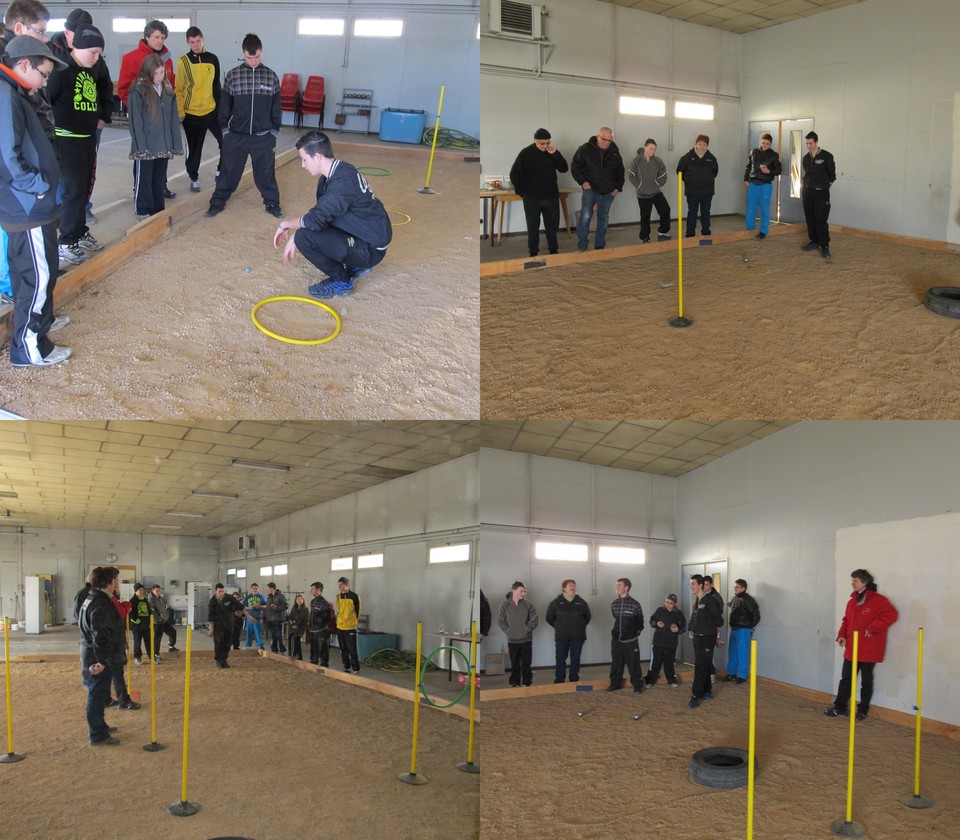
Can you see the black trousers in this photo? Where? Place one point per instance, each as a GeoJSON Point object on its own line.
{"type": "Point", "coordinates": [521, 658]}
{"type": "Point", "coordinates": [234, 151]}
{"type": "Point", "coordinates": [625, 653]}
{"type": "Point", "coordinates": [276, 637]}
{"type": "Point", "coordinates": [663, 657]}
{"type": "Point", "coordinates": [320, 648]}
{"type": "Point", "coordinates": [158, 631]}
{"type": "Point", "coordinates": [865, 670]}
{"type": "Point", "coordinates": [702, 663]}
{"type": "Point", "coordinates": [195, 129]}
{"type": "Point", "coordinates": [663, 211]}
{"type": "Point", "coordinates": [334, 251]}
{"type": "Point", "coordinates": [294, 645]}
{"type": "Point", "coordinates": [77, 155]}
{"type": "Point", "coordinates": [141, 639]}
{"type": "Point", "coordinates": [237, 630]}
{"type": "Point", "coordinates": [549, 209]}
{"type": "Point", "coordinates": [32, 258]}
{"type": "Point", "coordinates": [149, 182]}
{"type": "Point", "coordinates": [222, 636]}
{"type": "Point", "coordinates": [348, 649]}
{"type": "Point", "coordinates": [816, 210]}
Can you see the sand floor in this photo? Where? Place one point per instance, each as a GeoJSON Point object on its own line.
{"type": "Point", "coordinates": [606, 775]}
{"type": "Point", "coordinates": [784, 334]}
{"type": "Point", "coordinates": [169, 334]}
{"type": "Point", "coordinates": [274, 752]}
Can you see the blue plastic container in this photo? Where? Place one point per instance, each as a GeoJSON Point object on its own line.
{"type": "Point", "coordinates": [401, 125]}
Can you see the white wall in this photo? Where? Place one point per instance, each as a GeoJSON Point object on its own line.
{"type": "Point", "coordinates": [601, 51]}
{"type": "Point", "coordinates": [439, 46]}
{"type": "Point", "coordinates": [774, 509]}
{"type": "Point", "coordinates": [530, 497]}
{"type": "Point", "coordinates": [914, 564]}
{"type": "Point", "coordinates": [399, 518]}
{"type": "Point", "coordinates": [67, 553]}
{"type": "Point", "coordinates": [880, 81]}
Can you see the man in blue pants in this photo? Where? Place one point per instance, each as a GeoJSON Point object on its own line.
{"type": "Point", "coordinates": [763, 165]}
{"type": "Point", "coordinates": [744, 617]}
{"type": "Point", "coordinates": [254, 608]}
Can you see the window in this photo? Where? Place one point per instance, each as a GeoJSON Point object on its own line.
{"type": "Point", "coordinates": [266, 571]}
{"type": "Point", "coordinates": [643, 106]}
{"type": "Point", "coordinates": [339, 564]}
{"type": "Point", "coordinates": [280, 570]}
{"type": "Point", "coordinates": [622, 554]}
{"type": "Point", "coordinates": [459, 553]}
{"type": "Point", "coordinates": [241, 573]}
{"type": "Point", "coordinates": [123, 24]}
{"type": "Point", "coordinates": [366, 28]}
{"type": "Point", "coordinates": [693, 111]}
{"type": "Point", "coordinates": [370, 561]}
{"type": "Point", "coordinates": [320, 26]}
{"type": "Point", "coordinates": [56, 24]}
{"type": "Point", "coordinates": [231, 575]}
{"type": "Point", "coordinates": [567, 552]}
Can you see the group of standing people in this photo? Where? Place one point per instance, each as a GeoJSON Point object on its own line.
{"type": "Point", "coordinates": [599, 169]}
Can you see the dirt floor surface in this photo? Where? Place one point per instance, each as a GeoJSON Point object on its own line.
{"type": "Point", "coordinates": [777, 332]}
{"type": "Point", "coordinates": [169, 334]}
{"type": "Point", "coordinates": [606, 775]}
{"type": "Point", "coordinates": [274, 752]}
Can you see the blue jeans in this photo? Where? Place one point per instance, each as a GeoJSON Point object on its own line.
{"type": "Point", "coordinates": [253, 629]}
{"type": "Point", "coordinates": [573, 648]}
{"type": "Point", "coordinates": [738, 654]}
{"type": "Point", "coordinates": [701, 203]}
{"type": "Point", "coordinates": [759, 195]}
{"type": "Point", "coordinates": [5, 286]}
{"type": "Point", "coordinates": [603, 202]}
{"type": "Point", "coordinates": [98, 690]}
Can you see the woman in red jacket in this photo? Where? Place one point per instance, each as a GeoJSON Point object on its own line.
{"type": "Point", "coordinates": [870, 614]}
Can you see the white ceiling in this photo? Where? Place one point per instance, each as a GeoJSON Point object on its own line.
{"type": "Point", "coordinates": [132, 475]}
{"type": "Point", "coordinates": [740, 16]}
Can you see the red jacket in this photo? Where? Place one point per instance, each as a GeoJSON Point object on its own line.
{"type": "Point", "coordinates": [123, 607]}
{"type": "Point", "coordinates": [873, 616]}
{"type": "Point", "coordinates": [131, 63]}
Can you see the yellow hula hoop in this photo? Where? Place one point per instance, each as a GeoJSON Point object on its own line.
{"type": "Point", "coordinates": [399, 213]}
{"type": "Point", "coordinates": [278, 337]}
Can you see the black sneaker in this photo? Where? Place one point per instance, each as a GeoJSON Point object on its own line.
{"type": "Point", "coordinates": [129, 705]}
{"type": "Point", "coordinates": [825, 253]}
{"type": "Point", "coordinates": [741, 680]}
{"type": "Point", "coordinates": [219, 664]}
{"type": "Point", "coordinates": [811, 246]}
{"type": "Point", "coordinates": [861, 715]}
{"type": "Point", "coordinates": [761, 235]}
{"type": "Point", "coordinates": [169, 193]}
{"type": "Point", "coordinates": [694, 703]}
{"type": "Point", "coordinates": [729, 678]}
{"type": "Point", "coordinates": [614, 687]}
{"type": "Point", "coordinates": [663, 237]}
{"type": "Point", "coordinates": [172, 649]}
{"type": "Point", "coordinates": [645, 240]}
{"type": "Point", "coordinates": [226, 664]}
{"type": "Point", "coordinates": [211, 212]}
{"type": "Point", "coordinates": [109, 741]}
{"type": "Point", "coordinates": [835, 712]}
{"type": "Point", "coordinates": [708, 695]}
{"type": "Point", "coordinates": [276, 212]}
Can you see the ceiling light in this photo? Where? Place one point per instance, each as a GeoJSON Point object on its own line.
{"type": "Point", "coordinates": [173, 527]}
{"type": "Point", "coordinates": [214, 495]}
{"type": "Point", "coordinates": [181, 513]}
{"type": "Point", "coordinates": [260, 465]}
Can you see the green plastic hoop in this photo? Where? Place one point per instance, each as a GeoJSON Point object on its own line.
{"type": "Point", "coordinates": [375, 171]}
{"type": "Point", "coordinates": [466, 685]}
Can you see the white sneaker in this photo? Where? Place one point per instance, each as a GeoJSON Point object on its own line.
{"type": "Point", "coordinates": [59, 323]}
{"type": "Point", "coordinates": [138, 661]}
{"type": "Point", "coordinates": [90, 243]}
{"type": "Point", "coordinates": [91, 219]}
{"type": "Point", "coordinates": [142, 216]}
{"type": "Point", "coordinates": [55, 356]}
{"type": "Point", "coordinates": [72, 254]}
{"type": "Point", "coordinates": [194, 186]}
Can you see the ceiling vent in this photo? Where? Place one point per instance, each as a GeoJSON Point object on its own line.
{"type": "Point", "coordinates": [523, 20]}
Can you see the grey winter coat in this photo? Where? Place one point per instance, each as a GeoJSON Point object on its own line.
{"type": "Point", "coordinates": [153, 137]}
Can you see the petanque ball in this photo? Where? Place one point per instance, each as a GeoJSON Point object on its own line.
{"type": "Point", "coordinates": [745, 259]}
{"type": "Point", "coordinates": [636, 717]}
{"type": "Point", "coordinates": [579, 714]}
{"type": "Point", "coordinates": [247, 270]}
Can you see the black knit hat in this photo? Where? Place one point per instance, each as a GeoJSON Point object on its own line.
{"type": "Point", "coordinates": [87, 37]}
{"type": "Point", "coordinates": [78, 18]}
{"type": "Point", "coordinates": [541, 134]}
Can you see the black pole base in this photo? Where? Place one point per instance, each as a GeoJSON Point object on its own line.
{"type": "Point", "coordinates": [154, 747]}
{"type": "Point", "coordinates": [680, 321]}
{"type": "Point", "coordinates": [426, 191]}
{"type": "Point", "coordinates": [917, 801]}
{"type": "Point", "coordinates": [183, 808]}
{"type": "Point", "coordinates": [10, 758]}
{"type": "Point", "coordinates": [843, 828]}
{"type": "Point", "coordinates": [412, 779]}
{"type": "Point", "coordinates": [468, 767]}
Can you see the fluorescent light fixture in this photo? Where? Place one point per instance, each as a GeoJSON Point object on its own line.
{"type": "Point", "coordinates": [214, 495]}
{"type": "Point", "coordinates": [182, 513]}
{"type": "Point", "coordinates": [259, 465]}
{"type": "Point", "coordinates": [172, 527]}
{"type": "Point", "coordinates": [8, 494]}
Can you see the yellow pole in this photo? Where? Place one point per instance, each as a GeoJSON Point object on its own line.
{"type": "Point", "coordinates": [6, 662]}
{"type": "Point", "coordinates": [853, 717]}
{"type": "Point", "coordinates": [680, 241]}
{"type": "Point", "coordinates": [433, 146]}
{"type": "Point", "coordinates": [751, 746]}
{"type": "Point", "coordinates": [916, 771]}
{"type": "Point", "coordinates": [412, 778]}
{"type": "Point", "coordinates": [186, 717]}
{"type": "Point", "coordinates": [473, 687]}
{"type": "Point", "coordinates": [153, 686]}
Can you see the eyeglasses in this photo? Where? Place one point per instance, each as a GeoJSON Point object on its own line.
{"type": "Point", "coordinates": [45, 75]}
{"type": "Point", "coordinates": [41, 32]}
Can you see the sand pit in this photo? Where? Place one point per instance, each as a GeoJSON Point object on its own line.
{"type": "Point", "coordinates": [785, 334]}
{"type": "Point", "coordinates": [169, 334]}
{"type": "Point", "coordinates": [567, 777]}
{"type": "Point", "coordinates": [275, 752]}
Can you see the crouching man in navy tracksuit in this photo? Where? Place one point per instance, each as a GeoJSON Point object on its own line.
{"type": "Point", "coordinates": [347, 232]}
